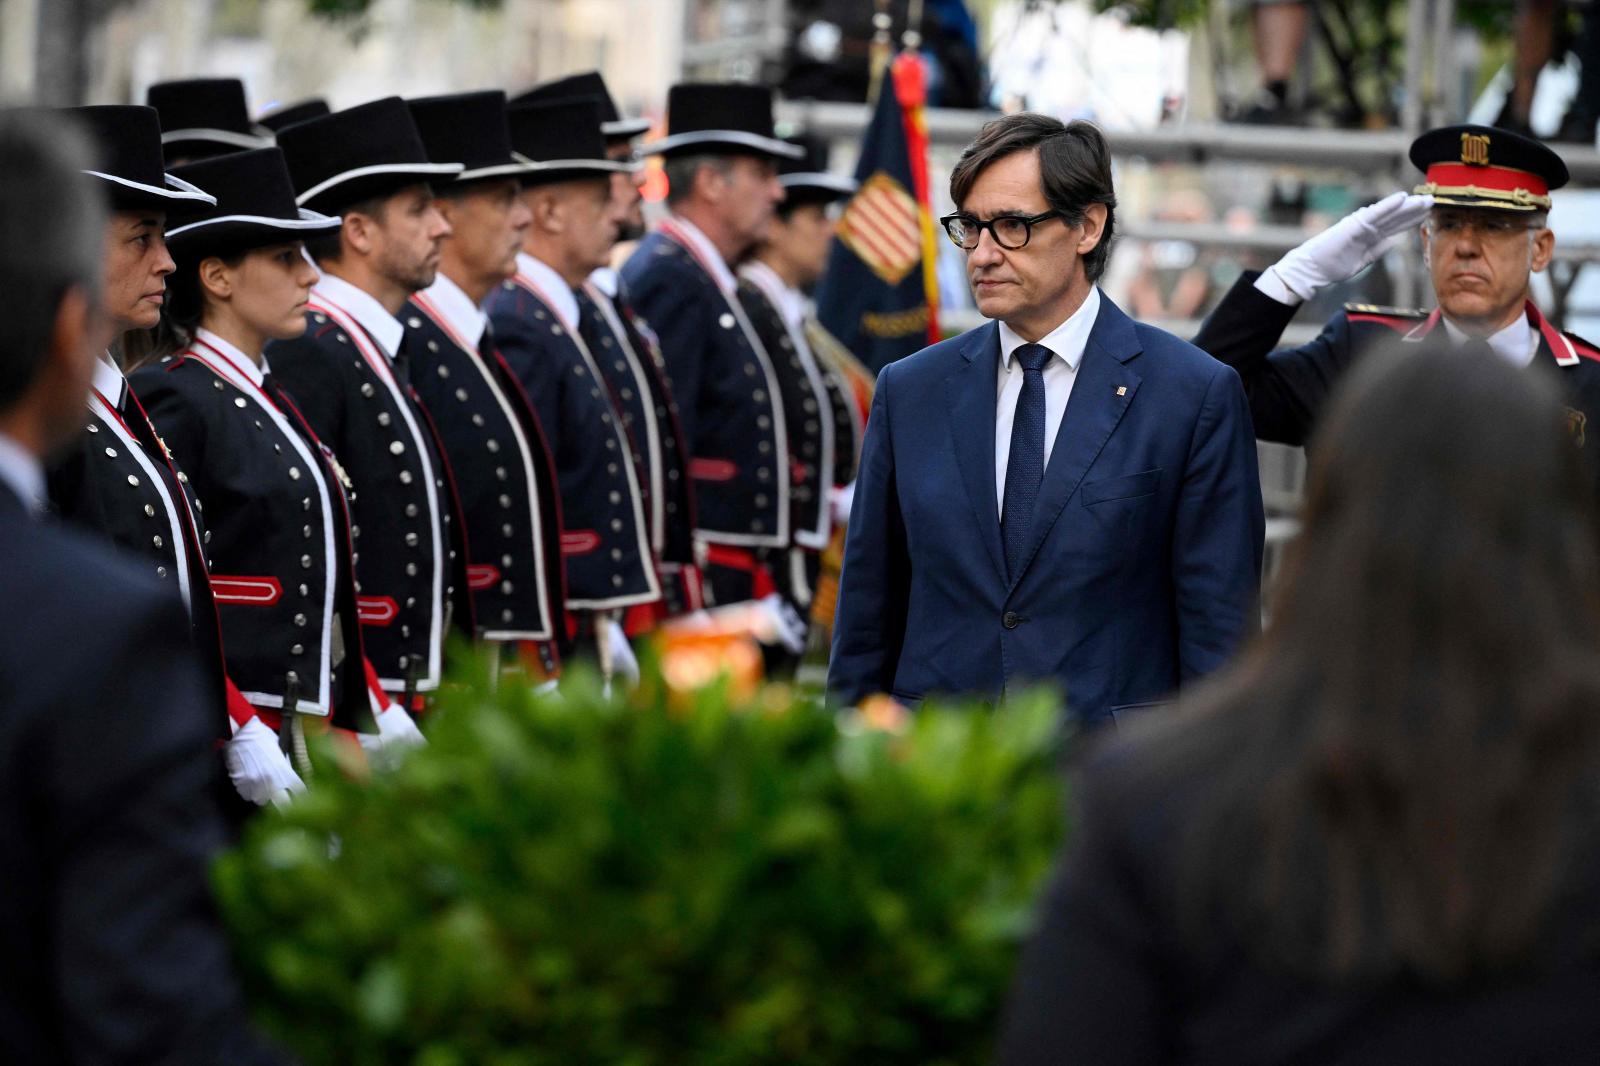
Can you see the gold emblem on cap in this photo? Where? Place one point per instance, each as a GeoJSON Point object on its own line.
{"type": "Point", "coordinates": [1475, 149]}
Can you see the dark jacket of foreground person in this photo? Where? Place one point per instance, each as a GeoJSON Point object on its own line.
{"type": "Point", "coordinates": [1374, 839]}
{"type": "Point", "coordinates": [110, 951]}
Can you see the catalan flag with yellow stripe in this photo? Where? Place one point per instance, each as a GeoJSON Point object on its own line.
{"type": "Point", "coordinates": [880, 295]}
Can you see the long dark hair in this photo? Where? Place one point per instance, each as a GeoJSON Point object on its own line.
{"type": "Point", "coordinates": [1401, 770]}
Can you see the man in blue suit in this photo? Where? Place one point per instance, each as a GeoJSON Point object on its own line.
{"type": "Point", "coordinates": [1060, 495]}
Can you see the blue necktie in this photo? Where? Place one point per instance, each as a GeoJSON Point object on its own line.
{"type": "Point", "coordinates": [1025, 465]}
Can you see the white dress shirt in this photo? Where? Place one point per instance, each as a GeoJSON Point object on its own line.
{"type": "Point", "coordinates": [1517, 343]}
{"type": "Point", "coordinates": [21, 473]}
{"type": "Point", "coordinates": [362, 306]}
{"type": "Point", "coordinates": [1067, 342]}
{"type": "Point", "coordinates": [463, 316]}
{"type": "Point", "coordinates": [552, 287]}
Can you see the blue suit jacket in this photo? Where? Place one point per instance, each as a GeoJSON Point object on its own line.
{"type": "Point", "coordinates": [1145, 549]}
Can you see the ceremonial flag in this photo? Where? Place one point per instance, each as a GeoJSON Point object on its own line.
{"type": "Point", "coordinates": [880, 294]}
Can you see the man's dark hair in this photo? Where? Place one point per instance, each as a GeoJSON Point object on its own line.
{"type": "Point", "coordinates": [329, 247]}
{"type": "Point", "coordinates": [52, 223]}
{"type": "Point", "coordinates": [1074, 169]}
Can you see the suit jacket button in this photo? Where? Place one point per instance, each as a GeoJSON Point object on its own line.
{"type": "Point", "coordinates": [1010, 620]}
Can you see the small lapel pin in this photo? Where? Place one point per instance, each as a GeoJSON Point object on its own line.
{"type": "Point", "coordinates": [1122, 390]}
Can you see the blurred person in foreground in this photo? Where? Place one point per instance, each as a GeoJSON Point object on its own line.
{"type": "Point", "coordinates": [1483, 207]}
{"type": "Point", "coordinates": [1061, 495]}
{"type": "Point", "coordinates": [1376, 837]}
{"type": "Point", "coordinates": [110, 950]}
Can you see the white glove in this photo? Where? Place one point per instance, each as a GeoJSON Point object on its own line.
{"type": "Point", "coordinates": [624, 664]}
{"type": "Point", "coordinates": [396, 734]}
{"type": "Point", "coordinates": [786, 625]}
{"type": "Point", "coordinates": [258, 767]}
{"type": "Point", "coordinates": [840, 499]}
{"type": "Point", "coordinates": [1344, 249]}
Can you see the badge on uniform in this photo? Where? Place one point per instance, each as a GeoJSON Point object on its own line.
{"type": "Point", "coordinates": [1577, 425]}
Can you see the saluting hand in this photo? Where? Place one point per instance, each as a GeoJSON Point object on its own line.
{"type": "Point", "coordinates": [1345, 248]}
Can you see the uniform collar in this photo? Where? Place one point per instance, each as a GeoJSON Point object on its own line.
{"type": "Point", "coordinates": [1066, 340]}
{"type": "Point", "coordinates": [20, 471]}
{"type": "Point", "coordinates": [790, 302]}
{"type": "Point", "coordinates": [246, 366]}
{"type": "Point", "coordinates": [552, 286]}
{"type": "Point", "coordinates": [706, 252]}
{"type": "Point", "coordinates": [109, 382]}
{"type": "Point", "coordinates": [362, 306]}
{"type": "Point", "coordinates": [608, 281]}
{"type": "Point", "coordinates": [463, 316]}
{"type": "Point", "coordinates": [1516, 343]}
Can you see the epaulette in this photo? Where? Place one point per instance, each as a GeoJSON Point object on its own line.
{"type": "Point", "coordinates": [1385, 312]}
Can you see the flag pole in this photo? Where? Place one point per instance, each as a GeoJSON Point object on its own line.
{"type": "Point", "coordinates": [882, 50]}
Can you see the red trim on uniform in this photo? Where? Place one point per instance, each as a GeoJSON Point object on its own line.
{"type": "Point", "coordinates": [1395, 323]}
{"type": "Point", "coordinates": [746, 562]}
{"type": "Point", "coordinates": [579, 541]}
{"type": "Point", "coordinates": [1503, 179]}
{"type": "Point", "coordinates": [239, 708]}
{"type": "Point", "coordinates": [482, 576]}
{"type": "Point", "coordinates": [713, 469]}
{"type": "Point", "coordinates": [246, 591]}
{"type": "Point", "coordinates": [377, 610]}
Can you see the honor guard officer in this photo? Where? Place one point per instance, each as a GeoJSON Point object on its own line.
{"type": "Point", "coordinates": [281, 117]}
{"type": "Point", "coordinates": [119, 479]}
{"type": "Point", "coordinates": [280, 531]}
{"type": "Point", "coordinates": [536, 321]}
{"type": "Point", "coordinates": [790, 258]}
{"type": "Point", "coordinates": [350, 376]}
{"type": "Point", "coordinates": [625, 349]}
{"type": "Point", "coordinates": [720, 157]}
{"type": "Point", "coordinates": [1484, 205]}
{"type": "Point", "coordinates": [204, 117]}
{"type": "Point", "coordinates": [491, 434]}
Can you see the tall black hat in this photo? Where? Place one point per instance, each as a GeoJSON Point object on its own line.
{"type": "Point", "coordinates": [279, 117]}
{"type": "Point", "coordinates": [353, 155]}
{"type": "Point", "coordinates": [126, 139]}
{"type": "Point", "coordinates": [1484, 166]}
{"type": "Point", "coordinates": [562, 140]}
{"type": "Point", "coordinates": [470, 129]}
{"type": "Point", "coordinates": [203, 117]}
{"type": "Point", "coordinates": [589, 83]}
{"type": "Point", "coordinates": [720, 117]}
{"type": "Point", "coordinates": [255, 206]}
{"type": "Point", "coordinates": [807, 180]}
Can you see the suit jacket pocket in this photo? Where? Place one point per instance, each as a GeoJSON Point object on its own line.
{"type": "Point", "coordinates": [1124, 487]}
{"type": "Point", "coordinates": [1122, 710]}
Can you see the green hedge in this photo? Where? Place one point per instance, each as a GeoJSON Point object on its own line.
{"type": "Point", "coordinates": [652, 881]}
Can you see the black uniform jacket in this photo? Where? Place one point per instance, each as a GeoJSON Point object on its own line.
{"type": "Point", "coordinates": [729, 399]}
{"type": "Point", "coordinates": [806, 413]}
{"type": "Point", "coordinates": [119, 481]}
{"type": "Point", "coordinates": [110, 951]}
{"type": "Point", "coordinates": [504, 471]}
{"type": "Point", "coordinates": [849, 421]}
{"type": "Point", "coordinates": [1288, 387]}
{"type": "Point", "coordinates": [625, 349]}
{"type": "Point", "coordinates": [605, 538]}
{"type": "Point", "coordinates": [280, 529]}
{"type": "Point", "coordinates": [359, 404]}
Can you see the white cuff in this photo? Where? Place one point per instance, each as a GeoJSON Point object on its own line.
{"type": "Point", "coordinates": [1270, 285]}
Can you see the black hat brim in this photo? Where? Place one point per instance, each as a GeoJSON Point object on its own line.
{"type": "Point", "coordinates": [124, 194]}
{"type": "Point", "coordinates": [817, 187]}
{"type": "Point", "coordinates": [243, 232]}
{"type": "Point", "coordinates": [554, 170]}
{"type": "Point", "coordinates": [365, 183]}
{"type": "Point", "coordinates": [625, 128]}
{"type": "Point", "coordinates": [728, 142]}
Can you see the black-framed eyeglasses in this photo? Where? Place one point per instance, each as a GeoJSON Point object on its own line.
{"type": "Point", "coordinates": [1009, 231]}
